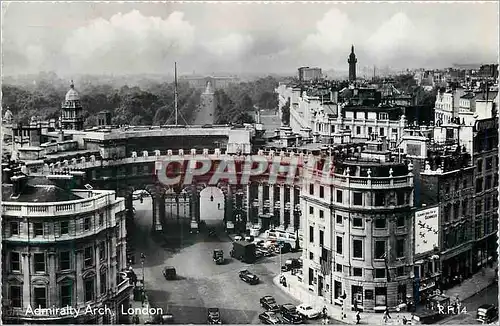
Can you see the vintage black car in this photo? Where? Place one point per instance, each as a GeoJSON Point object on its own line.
{"type": "Point", "coordinates": [169, 273]}
{"type": "Point", "coordinates": [292, 318]}
{"type": "Point", "coordinates": [248, 277]}
{"type": "Point", "coordinates": [213, 316]}
{"type": "Point", "coordinates": [487, 313]}
{"type": "Point", "coordinates": [218, 256]}
{"type": "Point", "coordinates": [269, 303]}
{"type": "Point", "coordinates": [269, 317]}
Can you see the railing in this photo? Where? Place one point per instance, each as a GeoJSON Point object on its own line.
{"type": "Point", "coordinates": [54, 209]}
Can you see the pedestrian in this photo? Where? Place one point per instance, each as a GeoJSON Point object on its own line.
{"type": "Point", "coordinates": [386, 314]}
{"type": "Point", "coordinates": [355, 305]}
{"type": "Point", "coordinates": [325, 312]}
{"type": "Point", "coordinates": [358, 317]}
{"type": "Point", "coordinates": [136, 319]}
{"type": "Point", "coordinates": [405, 321]}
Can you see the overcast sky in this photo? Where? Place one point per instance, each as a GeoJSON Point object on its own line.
{"type": "Point", "coordinates": [277, 38]}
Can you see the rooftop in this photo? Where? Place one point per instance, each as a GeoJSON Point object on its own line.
{"type": "Point", "coordinates": [38, 190]}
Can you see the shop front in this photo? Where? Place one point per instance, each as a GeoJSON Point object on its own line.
{"type": "Point", "coordinates": [456, 268]}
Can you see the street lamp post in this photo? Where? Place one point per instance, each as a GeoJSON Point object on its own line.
{"type": "Point", "coordinates": [280, 261]}
{"type": "Point", "coordinates": [143, 257]}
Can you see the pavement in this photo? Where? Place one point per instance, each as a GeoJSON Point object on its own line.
{"type": "Point", "coordinates": [472, 292]}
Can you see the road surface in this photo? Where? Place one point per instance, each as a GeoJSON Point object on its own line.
{"type": "Point", "coordinates": [202, 284]}
{"type": "Point", "coordinates": [488, 295]}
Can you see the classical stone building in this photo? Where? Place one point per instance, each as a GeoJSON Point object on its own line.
{"type": "Point", "coordinates": [62, 248]}
{"type": "Point", "coordinates": [358, 228]}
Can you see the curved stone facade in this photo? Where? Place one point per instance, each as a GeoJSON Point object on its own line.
{"type": "Point", "coordinates": [357, 235]}
{"type": "Point", "coordinates": [65, 253]}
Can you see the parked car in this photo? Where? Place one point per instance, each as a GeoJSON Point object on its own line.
{"type": "Point", "coordinates": [213, 316]}
{"type": "Point", "coordinates": [288, 308]}
{"type": "Point", "coordinates": [170, 273]}
{"type": "Point", "coordinates": [258, 242]}
{"type": "Point", "coordinates": [285, 247]}
{"type": "Point", "coordinates": [264, 252]}
{"type": "Point", "coordinates": [308, 311]}
{"type": "Point", "coordinates": [238, 238]}
{"type": "Point", "coordinates": [487, 313]}
{"type": "Point", "coordinates": [269, 318]}
{"type": "Point", "coordinates": [269, 303]}
{"type": "Point", "coordinates": [248, 277]}
{"type": "Point", "coordinates": [293, 263]}
{"type": "Point", "coordinates": [249, 238]}
{"type": "Point", "coordinates": [292, 318]}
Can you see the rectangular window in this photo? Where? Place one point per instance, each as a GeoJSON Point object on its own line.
{"type": "Point", "coordinates": [311, 210]}
{"type": "Point", "coordinates": [400, 248]}
{"type": "Point", "coordinates": [479, 185]}
{"type": "Point", "coordinates": [357, 222]}
{"type": "Point", "coordinates": [339, 245]}
{"type": "Point", "coordinates": [16, 296]}
{"type": "Point", "coordinates": [311, 234]}
{"type": "Point", "coordinates": [400, 198]}
{"type": "Point", "coordinates": [65, 260]}
{"type": "Point", "coordinates": [489, 163]}
{"type": "Point", "coordinates": [357, 248]}
{"type": "Point", "coordinates": [40, 294]}
{"type": "Point", "coordinates": [311, 255]}
{"type": "Point", "coordinates": [311, 189]}
{"type": "Point", "coordinates": [379, 272]}
{"type": "Point", "coordinates": [370, 130]}
{"type": "Point", "coordinates": [38, 229]}
{"type": "Point", "coordinates": [339, 219]}
{"type": "Point", "coordinates": [400, 271]}
{"type": "Point", "coordinates": [15, 262]}
{"type": "Point", "coordinates": [39, 259]}
{"type": "Point", "coordinates": [86, 223]}
{"type": "Point", "coordinates": [382, 131]}
{"type": "Point", "coordinates": [380, 223]}
{"type": "Point", "coordinates": [89, 289]}
{"type": "Point", "coordinates": [103, 283]}
{"type": "Point", "coordinates": [464, 208]}
{"type": "Point", "coordinates": [339, 196]}
{"type": "Point", "coordinates": [487, 182]}
{"type": "Point", "coordinates": [369, 294]}
{"type": "Point", "coordinates": [321, 214]}
{"type": "Point", "coordinates": [479, 206]}
{"type": "Point", "coordinates": [321, 237]}
{"type": "Point", "coordinates": [357, 272]}
{"type": "Point", "coordinates": [358, 130]}
{"type": "Point", "coordinates": [339, 268]}
{"type": "Point", "coordinates": [400, 221]}
{"type": "Point", "coordinates": [383, 116]}
{"type": "Point", "coordinates": [102, 250]}
{"type": "Point", "coordinates": [321, 192]}
{"type": "Point", "coordinates": [64, 227]}
{"type": "Point", "coordinates": [311, 276]}
{"type": "Point", "coordinates": [358, 198]}
{"type": "Point", "coordinates": [88, 257]}
{"type": "Point", "coordinates": [379, 249]}
{"type": "Point", "coordinates": [66, 294]}
{"type": "Point", "coordinates": [14, 228]}
{"type": "Point", "coordinates": [101, 219]}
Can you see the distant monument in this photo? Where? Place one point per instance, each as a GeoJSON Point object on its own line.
{"type": "Point", "coordinates": [352, 65]}
{"type": "Point", "coordinates": [206, 113]}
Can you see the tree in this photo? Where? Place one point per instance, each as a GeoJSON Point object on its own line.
{"type": "Point", "coordinates": [245, 118]}
{"type": "Point", "coordinates": [285, 114]}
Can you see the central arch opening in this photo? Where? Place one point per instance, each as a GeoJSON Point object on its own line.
{"type": "Point", "coordinates": [212, 207]}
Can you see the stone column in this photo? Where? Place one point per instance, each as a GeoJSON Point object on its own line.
{"type": "Point", "coordinates": [248, 201]}
{"type": "Point", "coordinates": [195, 204]}
{"type": "Point", "coordinates": [261, 198]}
{"type": "Point", "coordinates": [271, 201]}
{"type": "Point", "coordinates": [26, 280]}
{"type": "Point", "coordinates": [52, 291]}
{"type": "Point", "coordinates": [79, 279]}
{"type": "Point", "coordinates": [282, 206]}
{"type": "Point", "coordinates": [292, 208]}
{"type": "Point", "coordinates": [98, 269]}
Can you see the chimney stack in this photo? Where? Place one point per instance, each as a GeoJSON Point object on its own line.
{"type": "Point", "coordinates": [19, 181]}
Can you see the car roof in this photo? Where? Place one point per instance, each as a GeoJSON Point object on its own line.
{"type": "Point", "coordinates": [289, 305]}
{"type": "Point", "coordinates": [486, 306]}
{"type": "Point", "coordinates": [268, 297]}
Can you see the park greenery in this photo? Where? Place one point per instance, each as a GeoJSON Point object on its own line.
{"type": "Point", "coordinates": [150, 103]}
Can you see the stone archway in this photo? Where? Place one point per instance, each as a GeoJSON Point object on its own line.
{"type": "Point", "coordinates": [212, 206]}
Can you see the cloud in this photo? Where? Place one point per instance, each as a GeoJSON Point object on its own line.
{"type": "Point", "coordinates": [129, 39]}
{"type": "Point", "coordinates": [231, 45]}
{"type": "Point", "coordinates": [330, 33]}
{"type": "Point", "coordinates": [399, 37]}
